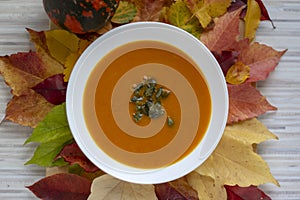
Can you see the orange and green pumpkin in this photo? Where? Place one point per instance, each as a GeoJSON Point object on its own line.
{"type": "Point", "coordinates": [80, 16]}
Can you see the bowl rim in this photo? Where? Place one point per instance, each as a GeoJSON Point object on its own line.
{"type": "Point", "coordinates": [217, 87]}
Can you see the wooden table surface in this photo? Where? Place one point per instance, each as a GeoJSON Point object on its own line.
{"type": "Point", "coordinates": [282, 89]}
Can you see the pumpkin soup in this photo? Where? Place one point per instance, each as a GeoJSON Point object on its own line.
{"type": "Point", "coordinates": [162, 140]}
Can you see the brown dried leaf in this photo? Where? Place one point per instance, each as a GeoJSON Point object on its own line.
{"type": "Point", "coordinates": [22, 71]}
{"type": "Point", "coordinates": [28, 109]}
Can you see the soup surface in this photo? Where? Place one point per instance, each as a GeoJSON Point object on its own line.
{"type": "Point", "coordinates": [108, 113]}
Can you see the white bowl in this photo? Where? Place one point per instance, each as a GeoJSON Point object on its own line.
{"type": "Point", "coordinates": [138, 32]}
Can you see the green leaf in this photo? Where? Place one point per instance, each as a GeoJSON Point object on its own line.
{"type": "Point", "coordinates": [45, 154]}
{"type": "Point", "coordinates": [180, 15]}
{"type": "Point", "coordinates": [125, 13]}
{"type": "Point", "coordinates": [54, 127]}
{"type": "Point", "coordinates": [53, 134]}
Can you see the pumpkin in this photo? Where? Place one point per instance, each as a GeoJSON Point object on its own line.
{"type": "Point", "coordinates": [80, 16]}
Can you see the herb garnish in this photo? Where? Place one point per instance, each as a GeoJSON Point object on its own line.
{"type": "Point", "coordinates": [147, 98]}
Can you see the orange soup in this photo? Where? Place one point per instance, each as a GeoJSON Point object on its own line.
{"type": "Point", "coordinates": [108, 112]}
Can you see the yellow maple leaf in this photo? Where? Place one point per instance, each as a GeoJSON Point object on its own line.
{"type": "Point", "coordinates": [201, 12]}
{"type": "Point", "coordinates": [59, 47]}
{"type": "Point", "coordinates": [217, 8]}
{"type": "Point", "coordinates": [250, 132]}
{"type": "Point", "coordinates": [234, 161]}
{"type": "Point", "coordinates": [252, 19]}
{"type": "Point", "coordinates": [108, 187]}
{"type": "Point", "coordinates": [72, 58]}
{"type": "Point", "coordinates": [180, 15]}
{"type": "Point", "coordinates": [238, 73]}
{"type": "Point", "coordinates": [61, 44]}
{"type": "Point", "coordinates": [69, 65]}
{"type": "Point", "coordinates": [206, 187]}
{"type": "Point", "coordinates": [206, 10]}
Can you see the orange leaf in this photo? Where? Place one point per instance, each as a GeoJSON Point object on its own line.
{"type": "Point", "coordinates": [22, 71]}
{"type": "Point", "coordinates": [261, 59]}
{"type": "Point", "coordinates": [28, 109]}
{"type": "Point", "coordinates": [224, 35]}
{"type": "Point", "coordinates": [245, 102]}
{"type": "Point", "coordinates": [149, 10]}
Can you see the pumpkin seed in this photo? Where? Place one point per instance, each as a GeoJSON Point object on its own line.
{"type": "Point", "coordinates": [148, 100]}
{"type": "Point", "coordinates": [170, 121]}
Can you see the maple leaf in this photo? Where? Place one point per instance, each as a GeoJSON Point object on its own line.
{"type": "Point", "coordinates": [22, 71]}
{"type": "Point", "coordinates": [250, 132]}
{"type": "Point", "coordinates": [224, 35]}
{"type": "Point", "coordinates": [108, 187]}
{"type": "Point", "coordinates": [177, 189]}
{"type": "Point", "coordinates": [225, 59]}
{"type": "Point", "coordinates": [246, 102]}
{"type": "Point", "coordinates": [206, 10]}
{"type": "Point", "coordinates": [53, 89]}
{"type": "Point", "coordinates": [69, 65]}
{"type": "Point", "coordinates": [149, 10]}
{"type": "Point", "coordinates": [125, 13]}
{"type": "Point", "coordinates": [28, 109]}
{"type": "Point", "coordinates": [249, 193]}
{"type": "Point", "coordinates": [217, 7]}
{"type": "Point", "coordinates": [62, 186]}
{"type": "Point", "coordinates": [179, 15]}
{"type": "Point", "coordinates": [234, 161]}
{"type": "Point", "coordinates": [261, 59]}
{"type": "Point", "coordinates": [72, 154]}
{"type": "Point", "coordinates": [200, 10]}
{"type": "Point", "coordinates": [73, 57]}
{"type": "Point", "coordinates": [61, 45]}
{"type": "Point", "coordinates": [206, 187]}
{"type": "Point", "coordinates": [252, 19]}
